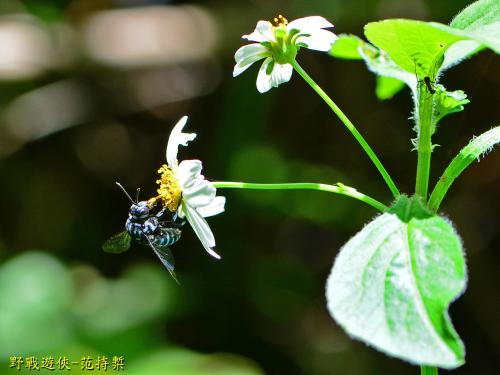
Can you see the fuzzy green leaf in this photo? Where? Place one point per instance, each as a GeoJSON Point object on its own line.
{"type": "Point", "coordinates": [447, 102]}
{"type": "Point", "coordinates": [477, 15]}
{"type": "Point", "coordinates": [347, 47]}
{"type": "Point", "coordinates": [415, 46]}
{"type": "Point", "coordinates": [392, 283]}
{"type": "Point", "coordinates": [477, 19]}
{"type": "Point", "coordinates": [478, 147]}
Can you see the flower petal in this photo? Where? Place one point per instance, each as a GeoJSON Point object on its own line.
{"type": "Point", "coordinates": [281, 73]}
{"type": "Point", "coordinates": [199, 192]}
{"type": "Point", "coordinates": [201, 228]}
{"type": "Point", "coordinates": [263, 33]}
{"type": "Point", "coordinates": [177, 137]}
{"type": "Point", "coordinates": [319, 40]}
{"type": "Point", "coordinates": [247, 55]}
{"type": "Point", "coordinates": [214, 208]}
{"type": "Point", "coordinates": [311, 22]}
{"type": "Point", "coordinates": [188, 170]}
{"type": "Point", "coordinates": [248, 51]}
{"type": "Point", "coordinates": [196, 190]}
{"type": "Point", "coordinates": [264, 79]}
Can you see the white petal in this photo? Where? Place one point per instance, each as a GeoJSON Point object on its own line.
{"type": "Point", "coordinates": [262, 33]}
{"type": "Point", "coordinates": [248, 51]}
{"type": "Point", "coordinates": [311, 22]}
{"type": "Point", "coordinates": [202, 230]}
{"type": "Point", "coordinates": [264, 79]}
{"type": "Point", "coordinates": [188, 170]}
{"type": "Point", "coordinates": [281, 74]}
{"type": "Point", "coordinates": [247, 55]}
{"type": "Point", "coordinates": [240, 67]}
{"type": "Point", "coordinates": [177, 137]}
{"type": "Point", "coordinates": [214, 208]}
{"type": "Point", "coordinates": [319, 40]}
{"type": "Point", "coordinates": [198, 192]}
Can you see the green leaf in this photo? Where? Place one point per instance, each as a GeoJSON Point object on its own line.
{"type": "Point", "coordinates": [447, 102]}
{"type": "Point", "coordinates": [476, 15]}
{"type": "Point", "coordinates": [392, 283]}
{"type": "Point", "coordinates": [487, 35]}
{"type": "Point", "coordinates": [387, 87]}
{"type": "Point", "coordinates": [378, 62]}
{"type": "Point", "coordinates": [478, 147]}
{"type": "Point", "coordinates": [415, 46]}
{"type": "Point", "coordinates": [481, 21]}
{"type": "Point", "coordinates": [347, 47]}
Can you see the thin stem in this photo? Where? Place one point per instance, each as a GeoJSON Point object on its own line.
{"type": "Point", "coordinates": [350, 126]}
{"type": "Point", "coordinates": [426, 370]}
{"type": "Point", "coordinates": [424, 144]}
{"type": "Point", "coordinates": [338, 189]}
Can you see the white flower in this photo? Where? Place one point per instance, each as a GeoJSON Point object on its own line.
{"type": "Point", "coordinates": [183, 189]}
{"type": "Point", "coordinates": [278, 43]}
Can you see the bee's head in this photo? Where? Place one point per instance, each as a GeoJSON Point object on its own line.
{"type": "Point", "coordinates": [139, 210]}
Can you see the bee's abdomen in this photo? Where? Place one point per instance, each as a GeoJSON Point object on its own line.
{"type": "Point", "coordinates": [167, 237]}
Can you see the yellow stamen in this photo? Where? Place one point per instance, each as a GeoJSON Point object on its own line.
{"type": "Point", "coordinates": [169, 191]}
{"type": "Point", "coordinates": [279, 21]}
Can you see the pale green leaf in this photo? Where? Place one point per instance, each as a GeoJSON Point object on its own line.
{"type": "Point", "coordinates": [478, 147]}
{"type": "Point", "coordinates": [387, 87]}
{"type": "Point", "coordinates": [392, 283]}
{"type": "Point", "coordinates": [347, 47]}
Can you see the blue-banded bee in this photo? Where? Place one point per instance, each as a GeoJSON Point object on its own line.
{"type": "Point", "coordinates": [146, 228]}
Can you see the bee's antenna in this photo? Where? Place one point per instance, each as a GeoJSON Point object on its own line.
{"type": "Point", "coordinates": [125, 191]}
{"type": "Point", "coordinates": [137, 195]}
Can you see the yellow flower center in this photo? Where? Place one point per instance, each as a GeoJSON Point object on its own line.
{"type": "Point", "coordinates": [169, 191]}
{"type": "Point", "coordinates": [279, 21]}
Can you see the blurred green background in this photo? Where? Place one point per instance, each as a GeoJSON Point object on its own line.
{"type": "Point", "coordinates": [89, 90]}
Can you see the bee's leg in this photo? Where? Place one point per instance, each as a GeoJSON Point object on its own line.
{"type": "Point", "coordinates": [178, 222]}
{"type": "Point", "coordinates": [161, 212]}
{"type": "Point", "coordinates": [150, 225]}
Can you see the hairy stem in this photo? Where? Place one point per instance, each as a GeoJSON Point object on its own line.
{"type": "Point", "coordinates": [424, 143]}
{"type": "Point", "coordinates": [350, 126]}
{"type": "Point", "coordinates": [338, 189]}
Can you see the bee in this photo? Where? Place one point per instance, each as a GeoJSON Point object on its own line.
{"type": "Point", "coordinates": [147, 228]}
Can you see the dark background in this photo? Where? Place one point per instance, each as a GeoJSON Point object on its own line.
{"type": "Point", "coordinates": [88, 97]}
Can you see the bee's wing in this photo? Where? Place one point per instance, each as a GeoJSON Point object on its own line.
{"type": "Point", "coordinates": [118, 243]}
{"type": "Point", "coordinates": [166, 257]}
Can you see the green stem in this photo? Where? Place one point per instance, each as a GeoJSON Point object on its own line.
{"type": "Point", "coordinates": [338, 189]}
{"type": "Point", "coordinates": [424, 144]}
{"type": "Point", "coordinates": [350, 126]}
{"type": "Point", "coordinates": [425, 370]}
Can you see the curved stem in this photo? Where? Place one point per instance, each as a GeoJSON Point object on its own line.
{"type": "Point", "coordinates": [338, 189]}
{"type": "Point", "coordinates": [426, 370]}
{"type": "Point", "coordinates": [349, 125]}
{"type": "Point", "coordinates": [470, 153]}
